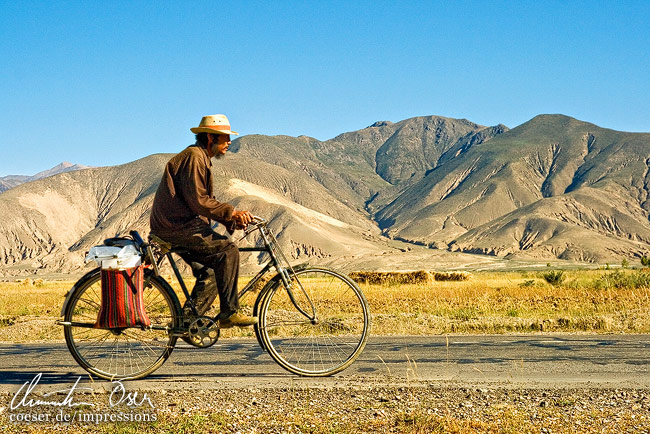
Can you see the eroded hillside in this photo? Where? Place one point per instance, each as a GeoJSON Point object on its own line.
{"type": "Point", "coordinates": [554, 187]}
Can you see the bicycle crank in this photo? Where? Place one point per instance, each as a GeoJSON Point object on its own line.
{"type": "Point", "coordinates": [203, 332]}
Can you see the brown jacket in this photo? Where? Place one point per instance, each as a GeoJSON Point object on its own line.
{"type": "Point", "coordinates": [185, 194]}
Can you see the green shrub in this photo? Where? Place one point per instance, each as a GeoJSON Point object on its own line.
{"type": "Point", "coordinates": [645, 261]}
{"type": "Point", "coordinates": [527, 284]}
{"type": "Point", "coordinates": [554, 277]}
{"type": "Point", "coordinates": [619, 279]}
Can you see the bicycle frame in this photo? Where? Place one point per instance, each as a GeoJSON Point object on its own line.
{"type": "Point", "coordinates": [277, 260]}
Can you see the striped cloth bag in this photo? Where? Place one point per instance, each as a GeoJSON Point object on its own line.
{"type": "Point", "coordinates": [122, 304]}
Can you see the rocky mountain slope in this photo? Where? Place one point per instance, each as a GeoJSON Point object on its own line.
{"type": "Point", "coordinates": [554, 187]}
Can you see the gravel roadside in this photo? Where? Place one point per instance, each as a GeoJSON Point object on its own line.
{"type": "Point", "coordinates": [372, 409]}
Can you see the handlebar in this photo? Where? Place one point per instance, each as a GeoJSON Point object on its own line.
{"type": "Point", "coordinates": [255, 224]}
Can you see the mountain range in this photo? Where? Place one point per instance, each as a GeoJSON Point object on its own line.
{"type": "Point", "coordinates": [426, 192]}
{"type": "Point", "coordinates": [10, 181]}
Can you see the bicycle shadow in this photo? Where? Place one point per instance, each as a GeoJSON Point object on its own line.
{"type": "Point", "coordinates": [13, 381]}
{"type": "Point", "coordinates": [47, 377]}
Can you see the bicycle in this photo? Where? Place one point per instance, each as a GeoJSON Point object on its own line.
{"type": "Point", "coordinates": [313, 321]}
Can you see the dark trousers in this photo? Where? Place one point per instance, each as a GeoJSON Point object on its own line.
{"type": "Point", "coordinates": [215, 264]}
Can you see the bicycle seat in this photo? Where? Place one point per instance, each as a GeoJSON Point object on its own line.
{"type": "Point", "coordinates": [165, 246]}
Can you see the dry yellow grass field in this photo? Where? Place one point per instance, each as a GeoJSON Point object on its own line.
{"type": "Point", "coordinates": [593, 301]}
{"type": "Point", "coordinates": [598, 301]}
{"type": "Point", "coordinates": [500, 302]}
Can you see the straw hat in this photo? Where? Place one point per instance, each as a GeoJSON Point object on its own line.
{"type": "Point", "coordinates": [215, 124]}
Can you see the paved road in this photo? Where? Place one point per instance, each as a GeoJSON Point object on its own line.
{"type": "Point", "coordinates": [601, 361]}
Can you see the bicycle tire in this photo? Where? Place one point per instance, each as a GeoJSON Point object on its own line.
{"type": "Point", "coordinates": [126, 354]}
{"type": "Point", "coordinates": [322, 348]}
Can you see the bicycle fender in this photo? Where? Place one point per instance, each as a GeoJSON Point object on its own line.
{"type": "Point", "coordinates": [68, 295]}
{"type": "Point", "coordinates": [274, 281]}
{"type": "Point", "coordinates": [271, 283]}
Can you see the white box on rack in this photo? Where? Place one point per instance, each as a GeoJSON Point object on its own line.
{"type": "Point", "coordinates": [115, 258]}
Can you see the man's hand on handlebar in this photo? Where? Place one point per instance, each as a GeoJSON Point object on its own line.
{"type": "Point", "coordinates": [242, 219]}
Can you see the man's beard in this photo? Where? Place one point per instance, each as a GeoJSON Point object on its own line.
{"type": "Point", "coordinates": [217, 155]}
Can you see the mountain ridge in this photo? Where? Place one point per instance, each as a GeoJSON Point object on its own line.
{"type": "Point", "coordinates": [551, 188]}
{"type": "Point", "coordinates": [10, 181]}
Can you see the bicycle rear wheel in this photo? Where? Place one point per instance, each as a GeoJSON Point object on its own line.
{"type": "Point", "coordinates": [121, 354]}
{"type": "Point", "coordinates": [329, 343]}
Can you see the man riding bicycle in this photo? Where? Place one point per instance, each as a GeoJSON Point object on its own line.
{"type": "Point", "coordinates": [182, 210]}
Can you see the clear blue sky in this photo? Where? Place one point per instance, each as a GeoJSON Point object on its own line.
{"type": "Point", "coordinates": [104, 83]}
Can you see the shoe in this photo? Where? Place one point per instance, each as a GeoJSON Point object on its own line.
{"type": "Point", "coordinates": [237, 319]}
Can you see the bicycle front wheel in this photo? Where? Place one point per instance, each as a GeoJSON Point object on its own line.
{"type": "Point", "coordinates": [319, 346]}
{"type": "Point", "coordinates": [127, 353]}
